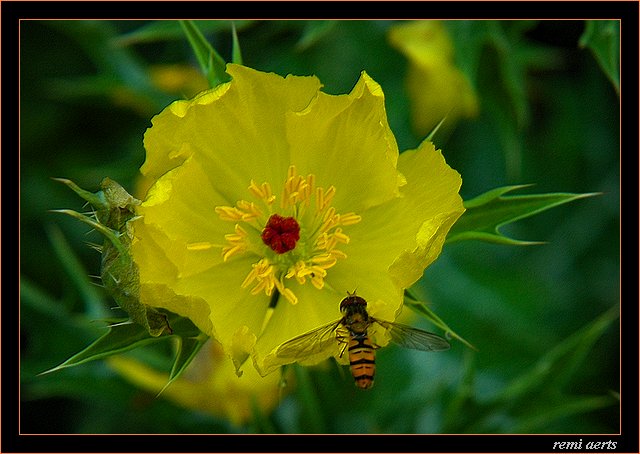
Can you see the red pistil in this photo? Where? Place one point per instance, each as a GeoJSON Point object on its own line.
{"type": "Point", "coordinates": [281, 234]}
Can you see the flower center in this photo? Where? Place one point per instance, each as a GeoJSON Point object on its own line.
{"type": "Point", "coordinates": [281, 234]}
{"type": "Point", "coordinates": [295, 239]}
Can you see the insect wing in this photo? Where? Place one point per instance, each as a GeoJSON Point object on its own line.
{"type": "Point", "coordinates": [309, 343]}
{"type": "Point", "coordinates": [414, 338]}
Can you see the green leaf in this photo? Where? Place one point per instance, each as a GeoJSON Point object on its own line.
{"type": "Point", "coordinates": [187, 349]}
{"type": "Point", "coordinates": [512, 70]}
{"type": "Point", "coordinates": [463, 398]}
{"type": "Point", "coordinates": [423, 309]}
{"type": "Point", "coordinates": [536, 420]}
{"type": "Point", "coordinates": [537, 397]}
{"type": "Point", "coordinates": [313, 32]}
{"type": "Point", "coordinates": [118, 64]}
{"type": "Point", "coordinates": [311, 405]}
{"type": "Point", "coordinates": [488, 212]}
{"type": "Point", "coordinates": [126, 336]}
{"type": "Point", "coordinates": [120, 338]}
{"type": "Point", "coordinates": [602, 37]}
{"type": "Point", "coordinates": [97, 200]}
{"type": "Point", "coordinates": [260, 423]}
{"type": "Point", "coordinates": [212, 64]}
{"type": "Point", "coordinates": [553, 370]}
{"type": "Point", "coordinates": [236, 54]}
{"type": "Point", "coordinates": [435, 130]}
{"type": "Point", "coordinates": [497, 57]}
{"type": "Point", "coordinates": [171, 30]}
{"type": "Point", "coordinates": [38, 300]}
{"type": "Point", "coordinates": [91, 296]}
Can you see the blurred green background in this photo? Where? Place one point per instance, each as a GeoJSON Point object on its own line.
{"type": "Point", "coordinates": [543, 318]}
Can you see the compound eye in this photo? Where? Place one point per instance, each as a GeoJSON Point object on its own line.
{"type": "Point", "coordinates": [351, 302]}
{"type": "Point", "coordinates": [345, 303]}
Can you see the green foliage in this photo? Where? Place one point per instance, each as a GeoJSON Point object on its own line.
{"type": "Point", "coordinates": [172, 30]}
{"type": "Point", "coordinates": [538, 398]}
{"type": "Point", "coordinates": [496, 56]}
{"type": "Point", "coordinates": [486, 213]}
{"type": "Point", "coordinates": [236, 53]}
{"type": "Point", "coordinates": [119, 338]}
{"type": "Point", "coordinates": [124, 335]}
{"type": "Point", "coordinates": [118, 71]}
{"type": "Point", "coordinates": [603, 38]}
{"type": "Point", "coordinates": [541, 318]}
{"type": "Point", "coordinates": [211, 63]}
{"type": "Point", "coordinates": [313, 32]}
{"type": "Point", "coordinates": [425, 311]}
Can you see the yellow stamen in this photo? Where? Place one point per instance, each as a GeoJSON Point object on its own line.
{"type": "Point", "coordinates": [296, 188]}
{"type": "Point", "coordinates": [324, 260]}
{"type": "Point", "coordinates": [322, 227]}
{"type": "Point", "coordinates": [229, 251]}
{"type": "Point", "coordinates": [201, 246]}
{"type": "Point", "coordinates": [264, 273]}
{"type": "Point", "coordinates": [350, 219]}
{"type": "Point", "coordinates": [287, 293]}
{"type": "Point", "coordinates": [229, 213]}
{"type": "Point", "coordinates": [262, 192]}
{"type": "Point", "coordinates": [318, 282]}
{"type": "Point", "coordinates": [324, 198]}
{"type": "Point", "coordinates": [237, 243]}
{"type": "Point", "coordinates": [338, 254]}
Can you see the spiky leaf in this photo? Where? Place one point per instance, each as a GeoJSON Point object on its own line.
{"type": "Point", "coordinates": [423, 309]}
{"type": "Point", "coordinates": [125, 336]}
{"type": "Point", "coordinates": [488, 212]}
{"type": "Point", "coordinates": [187, 349]}
{"type": "Point", "coordinates": [118, 339]}
{"type": "Point", "coordinates": [212, 64]}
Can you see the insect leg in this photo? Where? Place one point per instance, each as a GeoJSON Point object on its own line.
{"type": "Point", "coordinates": [343, 339]}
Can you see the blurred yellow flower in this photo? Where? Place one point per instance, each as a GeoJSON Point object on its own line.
{"type": "Point", "coordinates": [209, 384]}
{"type": "Point", "coordinates": [178, 79]}
{"type": "Point", "coordinates": [436, 87]}
{"type": "Point", "coordinates": [273, 199]}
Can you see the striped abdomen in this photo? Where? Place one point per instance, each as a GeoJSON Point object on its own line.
{"type": "Point", "coordinates": [362, 358]}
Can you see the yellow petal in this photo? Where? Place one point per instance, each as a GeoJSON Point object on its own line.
{"type": "Point", "coordinates": [432, 195]}
{"type": "Point", "coordinates": [346, 141]}
{"type": "Point", "coordinates": [210, 295]}
{"type": "Point", "coordinates": [236, 131]}
{"type": "Point", "coordinates": [159, 275]}
{"type": "Point", "coordinates": [182, 205]}
{"type": "Point", "coordinates": [209, 385]}
{"type": "Point", "coordinates": [315, 308]}
{"type": "Point", "coordinates": [405, 235]}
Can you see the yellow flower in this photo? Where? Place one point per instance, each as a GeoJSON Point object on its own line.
{"type": "Point", "coordinates": [209, 384]}
{"type": "Point", "coordinates": [436, 87]}
{"type": "Point", "coordinates": [273, 199]}
{"type": "Point", "coordinates": [182, 80]}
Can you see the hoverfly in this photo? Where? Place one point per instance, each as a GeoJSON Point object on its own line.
{"type": "Point", "coordinates": [351, 331]}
